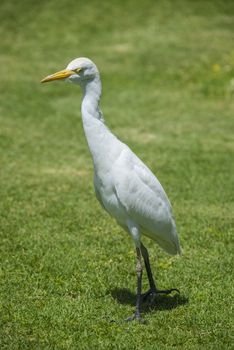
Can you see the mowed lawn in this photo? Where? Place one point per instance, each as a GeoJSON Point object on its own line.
{"type": "Point", "coordinates": [67, 271]}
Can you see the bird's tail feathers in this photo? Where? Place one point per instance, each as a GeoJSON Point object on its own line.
{"type": "Point", "coordinates": [171, 245]}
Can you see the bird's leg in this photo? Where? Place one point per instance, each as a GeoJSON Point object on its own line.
{"type": "Point", "coordinates": [148, 268]}
{"type": "Point", "coordinates": [153, 291]}
{"type": "Point", "coordinates": [139, 281]}
{"type": "Point", "coordinates": [137, 314]}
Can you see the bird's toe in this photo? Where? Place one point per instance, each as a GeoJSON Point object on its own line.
{"type": "Point", "coordinates": [167, 291]}
{"type": "Point", "coordinates": [136, 317]}
{"type": "Point", "coordinates": [151, 294]}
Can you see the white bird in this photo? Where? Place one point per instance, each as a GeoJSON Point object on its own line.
{"type": "Point", "coordinates": [124, 185]}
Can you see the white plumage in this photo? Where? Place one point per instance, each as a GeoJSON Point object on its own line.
{"type": "Point", "coordinates": [124, 185]}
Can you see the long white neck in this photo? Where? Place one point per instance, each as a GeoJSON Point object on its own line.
{"type": "Point", "coordinates": [99, 137]}
{"type": "Point", "coordinates": [91, 97]}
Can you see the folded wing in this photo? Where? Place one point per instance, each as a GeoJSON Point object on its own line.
{"type": "Point", "coordinates": [145, 201]}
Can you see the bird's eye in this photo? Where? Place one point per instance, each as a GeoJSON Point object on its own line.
{"type": "Point", "coordinates": [78, 70]}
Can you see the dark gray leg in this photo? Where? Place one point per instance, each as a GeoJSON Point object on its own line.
{"type": "Point", "coordinates": [139, 281]}
{"type": "Point", "coordinates": [153, 291]}
{"type": "Point", "coordinates": [137, 314]}
{"type": "Point", "coordinates": [145, 254]}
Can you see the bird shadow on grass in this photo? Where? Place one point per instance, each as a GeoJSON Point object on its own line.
{"type": "Point", "coordinates": [162, 302]}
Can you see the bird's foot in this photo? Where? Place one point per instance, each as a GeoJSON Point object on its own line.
{"type": "Point", "coordinates": [136, 317]}
{"type": "Point", "coordinates": [151, 294]}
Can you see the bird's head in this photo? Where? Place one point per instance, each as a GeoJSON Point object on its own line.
{"type": "Point", "coordinates": [79, 71]}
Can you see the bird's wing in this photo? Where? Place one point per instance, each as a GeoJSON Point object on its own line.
{"type": "Point", "coordinates": [145, 200]}
{"type": "Point", "coordinates": [136, 185]}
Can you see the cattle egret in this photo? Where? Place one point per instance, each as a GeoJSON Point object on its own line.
{"type": "Point", "coordinates": [123, 184]}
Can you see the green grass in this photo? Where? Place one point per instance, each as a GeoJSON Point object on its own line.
{"type": "Point", "coordinates": [67, 270]}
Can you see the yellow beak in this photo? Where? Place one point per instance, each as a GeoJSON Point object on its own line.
{"type": "Point", "coordinates": [57, 76]}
